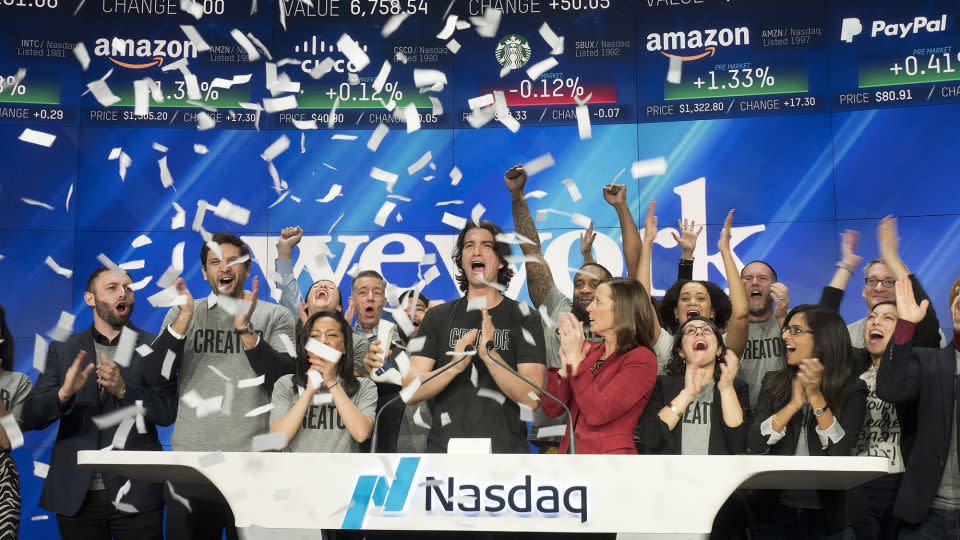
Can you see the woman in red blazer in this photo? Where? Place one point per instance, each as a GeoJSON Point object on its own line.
{"type": "Point", "coordinates": [606, 384]}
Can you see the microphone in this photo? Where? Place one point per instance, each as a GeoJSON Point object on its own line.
{"type": "Point", "coordinates": [573, 443]}
{"type": "Point", "coordinates": [441, 371]}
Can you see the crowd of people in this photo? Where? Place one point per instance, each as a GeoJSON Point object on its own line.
{"type": "Point", "coordinates": [697, 372]}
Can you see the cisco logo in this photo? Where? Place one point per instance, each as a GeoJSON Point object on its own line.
{"type": "Point", "coordinates": [315, 46]}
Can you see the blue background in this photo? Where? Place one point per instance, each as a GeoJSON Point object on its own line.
{"type": "Point", "coordinates": [803, 178]}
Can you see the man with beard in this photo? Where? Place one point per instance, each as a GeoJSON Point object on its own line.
{"type": "Point", "coordinates": [211, 336]}
{"type": "Point", "coordinates": [397, 430]}
{"type": "Point", "coordinates": [324, 295]}
{"type": "Point", "coordinates": [67, 390]}
{"type": "Point", "coordinates": [477, 397]}
{"type": "Point", "coordinates": [764, 349]}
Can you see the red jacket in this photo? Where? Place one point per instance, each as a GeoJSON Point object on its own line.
{"type": "Point", "coordinates": [605, 405]}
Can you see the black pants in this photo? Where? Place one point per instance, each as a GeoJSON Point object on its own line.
{"type": "Point", "coordinates": [98, 519]}
{"type": "Point", "coordinates": [209, 514]}
{"type": "Point", "coordinates": [879, 522]}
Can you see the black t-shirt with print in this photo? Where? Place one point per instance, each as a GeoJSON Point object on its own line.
{"type": "Point", "coordinates": [471, 415]}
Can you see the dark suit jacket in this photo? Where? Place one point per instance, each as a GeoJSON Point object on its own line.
{"type": "Point", "coordinates": [657, 439]}
{"type": "Point", "coordinates": [606, 405]}
{"type": "Point", "coordinates": [841, 508]}
{"type": "Point", "coordinates": [66, 484]}
{"type": "Point", "coordinates": [926, 378]}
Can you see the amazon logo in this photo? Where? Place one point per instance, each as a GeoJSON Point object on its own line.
{"type": "Point", "coordinates": [696, 44]}
{"type": "Point", "coordinates": [143, 53]}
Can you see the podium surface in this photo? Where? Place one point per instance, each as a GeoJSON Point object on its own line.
{"type": "Point", "coordinates": [497, 492]}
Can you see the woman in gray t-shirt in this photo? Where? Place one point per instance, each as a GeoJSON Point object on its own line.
{"type": "Point", "coordinates": [323, 406]}
{"type": "Point", "coordinates": [14, 387]}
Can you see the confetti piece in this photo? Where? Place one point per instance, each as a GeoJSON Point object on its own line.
{"type": "Point", "coordinates": [492, 394]}
{"type": "Point", "coordinates": [141, 241]}
{"type": "Point", "coordinates": [214, 369]}
{"type": "Point", "coordinates": [242, 40]}
{"type": "Point", "coordinates": [268, 442]}
{"type": "Point", "coordinates": [456, 222]}
{"type": "Point", "coordinates": [649, 167]}
{"type": "Point", "coordinates": [474, 375]}
{"type": "Point", "coordinates": [124, 163]}
{"type": "Point", "coordinates": [102, 93]}
{"type": "Point", "coordinates": [545, 315]}
{"type": "Point", "coordinates": [453, 46]}
{"type": "Point", "coordinates": [477, 304]}
{"type": "Point", "coordinates": [387, 177]}
{"type": "Point", "coordinates": [40, 470]}
{"type": "Point", "coordinates": [377, 137]}
{"type": "Point", "coordinates": [128, 340]}
{"type": "Point", "coordinates": [195, 37]}
{"type": "Point", "coordinates": [166, 179]}
{"type": "Point", "coordinates": [420, 163]}
{"type": "Point", "coordinates": [381, 79]}
{"type": "Point", "coordinates": [583, 123]}
{"type": "Point", "coordinates": [541, 67]}
{"type": "Point", "coordinates": [144, 350]}
{"type": "Point", "coordinates": [555, 42]}
{"type": "Point", "coordinates": [167, 367]}
{"type": "Point", "coordinates": [69, 196]}
{"type": "Point", "coordinates": [455, 176]}
{"type": "Point", "coordinates": [205, 121]}
{"type": "Point", "coordinates": [40, 518]}
{"type": "Point", "coordinates": [179, 218]}
{"type": "Point", "coordinates": [138, 285]}
{"type": "Point", "coordinates": [539, 164]}
{"type": "Point", "coordinates": [83, 56]}
{"type": "Point", "coordinates": [480, 102]}
{"type": "Point", "coordinates": [250, 383]}
{"type": "Point", "coordinates": [538, 194]}
{"type": "Point", "coordinates": [418, 419]}
{"type": "Point", "coordinates": [285, 103]}
{"type": "Point", "coordinates": [133, 265]}
{"type": "Point", "coordinates": [384, 212]}
{"type": "Point", "coordinates": [434, 79]}
{"type": "Point", "coordinates": [33, 202]}
{"type": "Point", "coordinates": [526, 413]}
{"type": "Point", "coordinates": [141, 97]}
{"type": "Point", "coordinates": [52, 264]}
{"type": "Point", "coordinates": [122, 432]}
{"type": "Point", "coordinates": [322, 68]}
{"type": "Point", "coordinates": [114, 418]}
{"type": "Point", "coordinates": [211, 459]}
{"type": "Point", "coordinates": [276, 148]}
{"type": "Point", "coordinates": [350, 49]}
{"type": "Point", "coordinates": [407, 392]}
{"type": "Point", "coordinates": [532, 395]}
{"type": "Point", "coordinates": [549, 432]}
{"type": "Point", "coordinates": [416, 344]}
{"type": "Point", "coordinates": [159, 147]}
{"type": "Point", "coordinates": [411, 117]}
{"type": "Point", "coordinates": [14, 434]}
{"type": "Point", "coordinates": [179, 498]}
{"type": "Point", "coordinates": [437, 107]}
{"type": "Point", "coordinates": [40, 347]}
{"type": "Point", "coordinates": [322, 350]}
{"type": "Point", "coordinates": [335, 191]}
{"type": "Point", "coordinates": [580, 220]}
{"type": "Point", "coordinates": [487, 25]}
{"type": "Point", "coordinates": [528, 337]}
{"type": "Point", "coordinates": [446, 203]}
{"type": "Point", "coordinates": [449, 28]}
{"type": "Point", "coordinates": [231, 212]}
{"type": "Point", "coordinates": [167, 298]}
{"type": "Point", "coordinates": [259, 410]}
{"type": "Point", "coordinates": [304, 125]}
{"type": "Point", "coordinates": [37, 137]}
{"type": "Point", "coordinates": [477, 213]}
{"type": "Point", "coordinates": [674, 70]}
{"type": "Point", "coordinates": [393, 23]}
{"type": "Point", "coordinates": [191, 7]}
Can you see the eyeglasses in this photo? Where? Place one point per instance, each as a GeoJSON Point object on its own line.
{"type": "Point", "coordinates": [888, 283]}
{"type": "Point", "coordinates": [795, 330]}
{"type": "Point", "coordinates": [694, 330]}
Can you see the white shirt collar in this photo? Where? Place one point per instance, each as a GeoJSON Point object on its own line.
{"type": "Point", "coordinates": [212, 299]}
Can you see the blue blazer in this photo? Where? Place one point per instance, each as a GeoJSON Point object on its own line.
{"type": "Point", "coordinates": [65, 487]}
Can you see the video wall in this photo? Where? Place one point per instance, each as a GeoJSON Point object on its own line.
{"type": "Point", "coordinates": [379, 125]}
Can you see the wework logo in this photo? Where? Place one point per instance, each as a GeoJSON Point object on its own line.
{"type": "Point", "coordinates": [391, 496]}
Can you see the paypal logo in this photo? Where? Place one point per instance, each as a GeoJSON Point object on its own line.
{"type": "Point", "coordinates": [392, 497]}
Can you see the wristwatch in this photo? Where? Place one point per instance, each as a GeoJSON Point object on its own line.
{"type": "Point", "coordinates": [820, 410]}
{"type": "Point", "coordinates": [248, 329]}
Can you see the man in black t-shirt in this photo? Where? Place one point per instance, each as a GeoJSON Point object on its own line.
{"type": "Point", "coordinates": [478, 398]}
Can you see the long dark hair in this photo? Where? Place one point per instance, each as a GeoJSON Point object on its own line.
{"type": "Point", "coordinates": [677, 365]}
{"type": "Point", "coordinates": [633, 318]}
{"type": "Point", "coordinates": [348, 380]}
{"type": "Point", "coordinates": [831, 344]}
{"type": "Point", "coordinates": [719, 300]}
{"type": "Point", "coordinates": [502, 249]}
{"type": "Point", "coordinates": [6, 347]}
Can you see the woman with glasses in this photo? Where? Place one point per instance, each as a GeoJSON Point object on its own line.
{"type": "Point", "coordinates": [700, 407]}
{"type": "Point", "coordinates": [606, 385]}
{"type": "Point", "coordinates": [814, 406]}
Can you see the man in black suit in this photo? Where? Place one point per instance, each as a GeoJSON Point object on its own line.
{"type": "Point", "coordinates": [929, 496]}
{"type": "Point", "coordinates": [86, 502]}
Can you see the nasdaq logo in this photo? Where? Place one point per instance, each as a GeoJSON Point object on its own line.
{"type": "Point", "coordinates": [392, 497]}
{"type": "Point", "coordinates": [852, 27]}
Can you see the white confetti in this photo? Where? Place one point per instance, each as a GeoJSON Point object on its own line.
{"type": "Point", "coordinates": [456, 222]}
{"type": "Point", "coordinates": [649, 167]}
{"type": "Point", "coordinates": [167, 367]}
{"type": "Point", "coordinates": [128, 340]}
{"type": "Point", "coordinates": [159, 147]}
{"type": "Point", "coordinates": [246, 44]}
{"type": "Point", "coordinates": [42, 517]}
{"type": "Point", "coordinates": [268, 442]}
{"type": "Point", "coordinates": [276, 148]}
{"type": "Point", "coordinates": [102, 93]}
{"type": "Point", "coordinates": [377, 137]}
{"type": "Point", "coordinates": [231, 212]}
{"type": "Point", "coordinates": [492, 394]}
{"type": "Point", "coordinates": [449, 28]}
{"type": "Point", "coordinates": [411, 117]}
{"type": "Point", "coordinates": [526, 413]}
{"type": "Point", "coordinates": [434, 79]}
{"type": "Point", "coordinates": [179, 218]}
{"type": "Point", "coordinates": [553, 40]}
{"type": "Point", "coordinates": [83, 56]}
{"type": "Point", "coordinates": [52, 264]}
{"type": "Point", "coordinates": [584, 128]}
{"type": "Point", "coordinates": [322, 68]}
{"type": "Point", "coordinates": [541, 67]}
{"type": "Point", "coordinates": [393, 23]}
{"type": "Point", "coordinates": [304, 125]}
{"type": "Point", "coordinates": [40, 347]}
{"type": "Point", "coordinates": [323, 350]}
{"type": "Point", "coordinates": [9, 424]}
{"type": "Point", "coordinates": [532, 395]}
{"type": "Point", "coordinates": [40, 470]}
{"type": "Point", "coordinates": [674, 70]}
{"type": "Point", "coordinates": [179, 498]}
{"type": "Point", "coordinates": [418, 419]}
{"type": "Point", "coordinates": [69, 196]}
{"type": "Point", "coordinates": [437, 107]}
{"type": "Point", "coordinates": [416, 344]}
{"type": "Point", "coordinates": [407, 392]}
{"type": "Point", "coordinates": [138, 285]}
{"type": "Point", "coordinates": [572, 189]}
{"type": "Point", "coordinates": [477, 304]}
{"type": "Point", "coordinates": [166, 179]}
{"type": "Point", "coordinates": [37, 137]}
{"type": "Point", "coordinates": [487, 25]}
{"type": "Point", "coordinates": [384, 213]}
{"type": "Point", "coordinates": [285, 103]}
{"type": "Point", "coordinates": [144, 350]}
{"type": "Point", "coordinates": [195, 38]}
{"type": "Point", "coordinates": [420, 163]}
{"type": "Point", "coordinates": [386, 177]}
{"type": "Point", "coordinates": [114, 418]}
{"type": "Point", "coordinates": [250, 383]}
{"type": "Point", "coordinates": [33, 202]}
{"type": "Point", "coordinates": [549, 432]}
{"type": "Point", "coordinates": [137, 264]}
{"type": "Point", "coordinates": [477, 213]}
{"type": "Point", "coordinates": [454, 46]}
{"type": "Point", "coordinates": [141, 241]}
{"type": "Point", "coordinates": [444, 419]}
{"type": "Point", "coordinates": [539, 164]}
{"type": "Point", "coordinates": [455, 176]}
{"type": "Point", "coordinates": [259, 410]}
{"type": "Point", "coordinates": [538, 194]}
{"type": "Point", "coordinates": [353, 52]}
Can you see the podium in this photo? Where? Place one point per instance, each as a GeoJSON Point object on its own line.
{"type": "Point", "coordinates": [296, 495]}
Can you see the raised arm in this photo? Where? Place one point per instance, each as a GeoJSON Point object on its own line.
{"type": "Point", "coordinates": [889, 243]}
{"type": "Point", "coordinates": [616, 196]}
{"type": "Point", "coordinates": [290, 295]}
{"type": "Point", "coordinates": [687, 240]}
{"type": "Point", "coordinates": [645, 264]}
{"type": "Point", "coordinates": [52, 397]}
{"type": "Point", "coordinates": [539, 278]}
{"type": "Point", "coordinates": [898, 379]}
{"type": "Point", "coordinates": [586, 244]}
{"type": "Point", "coordinates": [849, 261]}
{"type": "Point", "coordinates": [738, 326]}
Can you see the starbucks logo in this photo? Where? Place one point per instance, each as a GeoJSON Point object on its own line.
{"type": "Point", "coordinates": [513, 51]}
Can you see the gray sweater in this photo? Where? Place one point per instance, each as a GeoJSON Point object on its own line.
{"type": "Point", "coordinates": [212, 343]}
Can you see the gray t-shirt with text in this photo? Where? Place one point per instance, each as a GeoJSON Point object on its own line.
{"type": "Point", "coordinates": [322, 429]}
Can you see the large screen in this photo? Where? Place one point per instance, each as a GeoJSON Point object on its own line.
{"type": "Point", "coordinates": [370, 122]}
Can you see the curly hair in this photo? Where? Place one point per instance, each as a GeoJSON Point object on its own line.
{"type": "Point", "coordinates": [677, 365]}
{"type": "Point", "coordinates": [502, 249]}
{"type": "Point", "coordinates": [722, 309]}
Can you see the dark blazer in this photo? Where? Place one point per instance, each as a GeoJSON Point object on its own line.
{"type": "Point", "coordinates": [925, 377]}
{"type": "Point", "coordinates": [840, 508]}
{"type": "Point", "coordinates": [65, 487]}
{"type": "Point", "coordinates": [657, 439]}
{"type": "Point", "coordinates": [605, 405]}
